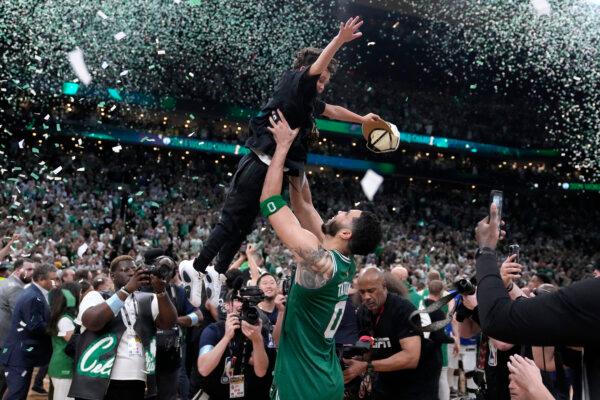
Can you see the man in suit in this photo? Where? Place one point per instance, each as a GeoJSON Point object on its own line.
{"type": "Point", "coordinates": [27, 344]}
{"type": "Point", "coordinates": [10, 289]}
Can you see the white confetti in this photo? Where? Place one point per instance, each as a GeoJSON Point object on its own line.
{"type": "Point", "coordinates": [123, 73]}
{"type": "Point", "coordinates": [22, 143]}
{"type": "Point", "coordinates": [56, 171]}
{"type": "Point", "coordinates": [117, 148]}
{"type": "Point", "coordinates": [104, 65]}
{"type": "Point", "coordinates": [101, 14]}
{"type": "Point", "coordinates": [541, 7]}
{"type": "Point", "coordinates": [370, 183]}
{"type": "Point", "coordinates": [75, 58]}
{"type": "Point", "coordinates": [119, 36]}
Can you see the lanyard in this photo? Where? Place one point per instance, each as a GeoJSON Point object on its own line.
{"type": "Point", "coordinates": [378, 317]}
{"type": "Point", "coordinates": [126, 312]}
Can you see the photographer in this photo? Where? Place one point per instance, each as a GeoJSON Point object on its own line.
{"type": "Point", "coordinates": [569, 316]}
{"type": "Point", "coordinates": [232, 355]}
{"type": "Point", "coordinates": [115, 357]}
{"type": "Point", "coordinates": [170, 343]}
{"type": "Point", "coordinates": [404, 363]}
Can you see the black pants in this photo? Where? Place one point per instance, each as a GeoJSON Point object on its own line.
{"type": "Point", "coordinates": [237, 216]}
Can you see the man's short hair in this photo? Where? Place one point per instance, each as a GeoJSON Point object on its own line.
{"type": "Point", "coordinates": [308, 55]}
{"type": "Point", "coordinates": [20, 262]}
{"type": "Point", "coordinates": [115, 262]}
{"type": "Point", "coordinates": [543, 277]}
{"type": "Point", "coordinates": [42, 271]}
{"type": "Point", "coordinates": [433, 275]}
{"type": "Point", "coordinates": [366, 234]}
{"type": "Point", "coordinates": [436, 287]}
{"type": "Point", "coordinates": [264, 275]}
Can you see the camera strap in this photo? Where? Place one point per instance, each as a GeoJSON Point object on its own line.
{"type": "Point", "coordinates": [436, 305]}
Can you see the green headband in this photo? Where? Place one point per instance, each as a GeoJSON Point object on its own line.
{"type": "Point", "coordinates": [69, 297]}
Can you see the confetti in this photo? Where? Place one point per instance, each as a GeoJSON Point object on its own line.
{"type": "Point", "coordinates": [102, 15]}
{"type": "Point", "coordinates": [120, 36]}
{"type": "Point", "coordinates": [75, 58]}
{"type": "Point", "coordinates": [370, 183]}
{"type": "Point", "coordinates": [117, 148]}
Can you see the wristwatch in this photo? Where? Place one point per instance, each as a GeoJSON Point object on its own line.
{"type": "Point", "coordinates": [484, 251]}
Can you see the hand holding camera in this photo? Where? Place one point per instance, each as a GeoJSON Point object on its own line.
{"type": "Point", "coordinates": [140, 278]}
{"type": "Point", "coordinates": [252, 332]}
{"type": "Point", "coordinates": [280, 300]}
{"type": "Point", "coordinates": [232, 323]}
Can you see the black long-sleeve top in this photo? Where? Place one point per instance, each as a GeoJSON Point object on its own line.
{"type": "Point", "coordinates": [570, 316]}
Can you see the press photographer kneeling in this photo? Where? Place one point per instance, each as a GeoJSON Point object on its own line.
{"type": "Point", "coordinates": [232, 351]}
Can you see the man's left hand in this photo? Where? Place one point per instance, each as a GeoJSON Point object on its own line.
{"type": "Point", "coordinates": [158, 285]}
{"type": "Point", "coordinates": [353, 369]}
{"type": "Point", "coordinates": [252, 332]}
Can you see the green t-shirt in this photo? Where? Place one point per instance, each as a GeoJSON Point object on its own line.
{"type": "Point", "coordinates": [61, 365]}
{"type": "Point", "coordinates": [307, 366]}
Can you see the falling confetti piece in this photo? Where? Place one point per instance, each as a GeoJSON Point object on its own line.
{"type": "Point", "coordinates": [120, 36]}
{"type": "Point", "coordinates": [102, 15]}
{"type": "Point", "coordinates": [117, 148]}
{"type": "Point", "coordinates": [75, 58]}
{"type": "Point", "coordinates": [56, 171]}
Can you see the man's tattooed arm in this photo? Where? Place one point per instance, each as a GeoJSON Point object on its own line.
{"type": "Point", "coordinates": [314, 269]}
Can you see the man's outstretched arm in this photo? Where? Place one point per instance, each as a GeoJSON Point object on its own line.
{"type": "Point", "coordinates": [303, 207]}
{"type": "Point", "coordinates": [315, 266]}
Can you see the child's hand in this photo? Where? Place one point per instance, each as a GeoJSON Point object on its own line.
{"type": "Point", "coordinates": [283, 134]}
{"type": "Point", "coordinates": [348, 31]}
{"type": "Point", "coordinates": [371, 117]}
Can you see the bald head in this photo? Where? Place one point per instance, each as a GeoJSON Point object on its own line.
{"type": "Point", "coordinates": [371, 274]}
{"type": "Point", "coordinates": [372, 288]}
{"type": "Point", "coordinates": [400, 273]}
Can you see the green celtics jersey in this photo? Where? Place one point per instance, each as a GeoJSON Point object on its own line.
{"type": "Point", "coordinates": [307, 366]}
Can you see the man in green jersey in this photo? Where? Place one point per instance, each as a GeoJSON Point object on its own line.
{"type": "Point", "coordinates": [307, 366]}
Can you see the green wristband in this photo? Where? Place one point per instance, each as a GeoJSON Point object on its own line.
{"type": "Point", "coordinates": [271, 205]}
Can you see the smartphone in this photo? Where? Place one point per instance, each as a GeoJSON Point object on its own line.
{"type": "Point", "coordinates": [514, 249]}
{"type": "Point", "coordinates": [497, 197]}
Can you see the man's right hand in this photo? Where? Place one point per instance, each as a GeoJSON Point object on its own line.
{"type": "Point", "coordinates": [282, 133]}
{"type": "Point", "coordinates": [232, 323]}
{"type": "Point", "coordinates": [510, 270]}
{"type": "Point", "coordinates": [140, 278]}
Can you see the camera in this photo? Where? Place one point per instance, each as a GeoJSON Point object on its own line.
{"type": "Point", "coordinates": [250, 297]}
{"type": "Point", "coordinates": [163, 268]}
{"type": "Point", "coordinates": [359, 349]}
{"type": "Point", "coordinates": [464, 287]}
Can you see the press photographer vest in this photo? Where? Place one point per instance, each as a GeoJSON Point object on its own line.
{"type": "Point", "coordinates": [96, 353]}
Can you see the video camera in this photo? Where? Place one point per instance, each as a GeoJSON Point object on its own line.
{"type": "Point", "coordinates": [162, 267]}
{"type": "Point", "coordinates": [362, 346]}
{"type": "Point", "coordinates": [465, 288]}
{"type": "Point", "coordinates": [249, 296]}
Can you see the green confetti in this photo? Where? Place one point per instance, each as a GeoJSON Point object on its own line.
{"type": "Point", "coordinates": [35, 150]}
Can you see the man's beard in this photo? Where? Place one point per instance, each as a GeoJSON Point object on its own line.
{"type": "Point", "coordinates": [330, 228]}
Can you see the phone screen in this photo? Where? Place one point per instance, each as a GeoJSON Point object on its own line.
{"type": "Point", "coordinates": [514, 249]}
{"type": "Point", "coordinates": [497, 198]}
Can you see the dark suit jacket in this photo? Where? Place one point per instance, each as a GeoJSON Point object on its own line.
{"type": "Point", "coordinates": [28, 344]}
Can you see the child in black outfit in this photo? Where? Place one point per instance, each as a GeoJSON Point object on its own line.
{"type": "Point", "coordinates": [295, 96]}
